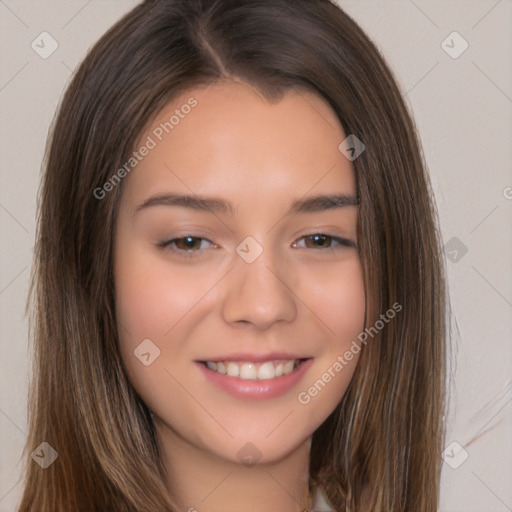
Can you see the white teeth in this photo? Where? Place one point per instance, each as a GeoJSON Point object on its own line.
{"type": "Point", "coordinates": [288, 367]}
{"type": "Point", "coordinates": [266, 371]}
{"type": "Point", "coordinates": [248, 371]}
{"type": "Point", "coordinates": [253, 371]}
{"type": "Point", "coordinates": [232, 369]}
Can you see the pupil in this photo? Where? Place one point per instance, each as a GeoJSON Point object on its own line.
{"type": "Point", "coordinates": [189, 241]}
{"type": "Point", "coordinates": [321, 238]}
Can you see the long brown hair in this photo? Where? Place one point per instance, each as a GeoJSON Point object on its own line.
{"type": "Point", "coordinates": [380, 448]}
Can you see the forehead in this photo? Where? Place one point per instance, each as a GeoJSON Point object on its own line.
{"type": "Point", "coordinates": [227, 137]}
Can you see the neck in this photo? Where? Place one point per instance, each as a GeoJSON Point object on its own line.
{"type": "Point", "coordinates": [200, 481]}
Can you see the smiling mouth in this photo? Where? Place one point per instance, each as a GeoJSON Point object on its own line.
{"type": "Point", "coordinates": [249, 370]}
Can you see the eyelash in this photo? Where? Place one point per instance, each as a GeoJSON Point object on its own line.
{"type": "Point", "coordinates": [166, 244]}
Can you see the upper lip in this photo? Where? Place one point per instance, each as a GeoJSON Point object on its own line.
{"type": "Point", "coordinates": [257, 357]}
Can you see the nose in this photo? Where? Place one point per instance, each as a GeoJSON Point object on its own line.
{"type": "Point", "coordinates": [259, 293]}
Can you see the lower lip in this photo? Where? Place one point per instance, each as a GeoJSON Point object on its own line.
{"type": "Point", "coordinates": [256, 389]}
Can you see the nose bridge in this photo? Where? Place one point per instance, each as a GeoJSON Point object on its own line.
{"type": "Point", "coordinates": [257, 291]}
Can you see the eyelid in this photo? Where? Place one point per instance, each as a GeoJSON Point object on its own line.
{"type": "Point", "coordinates": [328, 232]}
{"type": "Point", "coordinates": [167, 242]}
{"type": "Point", "coordinates": [341, 241]}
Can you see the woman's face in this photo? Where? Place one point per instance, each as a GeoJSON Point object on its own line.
{"type": "Point", "coordinates": [246, 279]}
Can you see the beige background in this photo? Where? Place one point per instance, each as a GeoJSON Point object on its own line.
{"type": "Point", "coordinates": [462, 107]}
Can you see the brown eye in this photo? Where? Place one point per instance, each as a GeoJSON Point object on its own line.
{"type": "Point", "coordinates": [319, 240]}
{"type": "Point", "coordinates": [323, 241]}
{"type": "Point", "coordinates": [186, 246]}
{"type": "Point", "coordinates": [187, 243]}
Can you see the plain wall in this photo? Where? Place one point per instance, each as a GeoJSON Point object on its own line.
{"type": "Point", "coordinates": [462, 107]}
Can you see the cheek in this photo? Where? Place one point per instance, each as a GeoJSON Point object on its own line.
{"type": "Point", "coordinates": [151, 296]}
{"type": "Point", "coordinates": [338, 299]}
{"type": "Point", "coordinates": [348, 312]}
{"type": "Point", "coordinates": [156, 302]}
{"type": "Point", "coordinates": [336, 294]}
{"type": "Point", "coordinates": [149, 303]}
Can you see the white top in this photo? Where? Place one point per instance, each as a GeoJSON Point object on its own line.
{"type": "Point", "coordinates": [320, 502]}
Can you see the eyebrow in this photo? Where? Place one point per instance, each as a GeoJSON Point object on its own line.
{"type": "Point", "coordinates": [311, 204]}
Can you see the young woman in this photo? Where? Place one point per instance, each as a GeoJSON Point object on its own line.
{"type": "Point", "coordinates": [238, 292]}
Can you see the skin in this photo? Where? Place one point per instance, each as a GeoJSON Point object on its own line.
{"type": "Point", "coordinates": [298, 295]}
